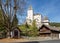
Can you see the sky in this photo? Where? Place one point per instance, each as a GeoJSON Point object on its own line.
{"type": "Point", "coordinates": [49, 8]}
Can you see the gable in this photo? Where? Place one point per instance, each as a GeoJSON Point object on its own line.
{"type": "Point", "coordinates": [16, 28]}
{"type": "Point", "coordinates": [44, 29]}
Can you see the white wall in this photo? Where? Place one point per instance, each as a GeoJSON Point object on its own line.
{"type": "Point", "coordinates": [29, 16]}
{"type": "Point", "coordinates": [59, 35]}
{"type": "Point", "coordinates": [46, 22]}
{"type": "Point", "coordinates": [38, 20]}
{"type": "Point", "coordinates": [38, 17]}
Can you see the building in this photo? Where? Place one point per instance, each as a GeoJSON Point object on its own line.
{"type": "Point", "coordinates": [15, 33]}
{"type": "Point", "coordinates": [49, 31]}
{"type": "Point", "coordinates": [37, 17]}
{"type": "Point", "coordinates": [45, 30]}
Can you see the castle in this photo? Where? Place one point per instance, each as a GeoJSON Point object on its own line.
{"type": "Point", "coordinates": [37, 17]}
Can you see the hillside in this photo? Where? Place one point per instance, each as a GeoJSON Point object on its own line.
{"type": "Point", "coordinates": [55, 24]}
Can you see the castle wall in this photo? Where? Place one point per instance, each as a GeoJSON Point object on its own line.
{"type": "Point", "coordinates": [38, 20]}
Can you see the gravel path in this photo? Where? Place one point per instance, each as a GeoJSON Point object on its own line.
{"type": "Point", "coordinates": [27, 39]}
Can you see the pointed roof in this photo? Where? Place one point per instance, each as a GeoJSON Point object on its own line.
{"type": "Point", "coordinates": [30, 7]}
{"type": "Point", "coordinates": [50, 28]}
{"type": "Point", "coordinates": [45, 18]}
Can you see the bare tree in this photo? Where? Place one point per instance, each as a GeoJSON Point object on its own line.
{"type": "Point", "coordinates": [10, 9]}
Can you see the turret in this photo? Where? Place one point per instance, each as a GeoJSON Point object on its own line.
{"type": "Point", "coordinates": [30, 15]}
{"type": "Point", "coordinates": [45, 21]}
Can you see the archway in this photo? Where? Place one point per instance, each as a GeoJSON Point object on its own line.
{"type": "Point", "coordinates": [16, 33]}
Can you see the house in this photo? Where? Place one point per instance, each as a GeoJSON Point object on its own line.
{"type": "Point", "coordinates": [49, 31]}
{"type": "Point", "coordinates": [15, 32]}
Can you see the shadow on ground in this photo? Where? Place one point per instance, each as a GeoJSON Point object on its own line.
{"type": "Point", "coordinates": [50, 41]}
{"type": "Point", "coordinates": [29, 42]}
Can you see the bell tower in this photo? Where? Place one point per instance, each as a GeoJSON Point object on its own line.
{"type": "Point", "coordinates": [30, 15]}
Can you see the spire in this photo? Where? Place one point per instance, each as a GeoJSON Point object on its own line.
{"type": "Point", "coordinates": [30, 7]}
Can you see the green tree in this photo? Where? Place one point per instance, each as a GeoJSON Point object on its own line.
{"type": "Point", "coordinates": [1, 21]}
{"type": "Point", "coordinates": [2, 29]}
{"type": "Point", "coordinates": [24, 28]}
{"type": "Point", "coordinates": [10, 9]}
{"type": "Point", "coordinates": [33, 31]}
{"type": "Point", "coordinates": [54, 24]}
{"type": "Point", "coordinates": [15, 21]}
{"type": "Point", "coordinates": [29, 30]}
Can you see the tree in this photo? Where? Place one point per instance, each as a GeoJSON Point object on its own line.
{"type": "Point", "coordinates": [54, 24]}
{"type": "Point", "coordinates": [24, 28]}
{"type": "Point", "coordinates": [29, 30]}
{"type": "Point", "coordinates": [1, 21]}
{"type": "Point", "coordinates": [33, 31]}
{"type": "Point", "coordinates": [2, 29]}
{"type": "Point", "coordinates": [15, 21]}
{"type": "Point", "coordinates": [10, 9]}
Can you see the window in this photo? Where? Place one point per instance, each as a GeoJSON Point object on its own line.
{"type": "Point", "coordinates": [30, 20]}
{"type": "Point", "coordinates": [37, 19]}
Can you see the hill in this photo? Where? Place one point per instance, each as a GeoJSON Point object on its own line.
{"type": "Point", "coordinates": [55, 24]}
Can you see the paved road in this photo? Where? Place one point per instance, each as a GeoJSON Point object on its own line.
{"type": "Point", "coordinates": [54, 41]}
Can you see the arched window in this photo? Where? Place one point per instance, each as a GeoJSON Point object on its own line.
{"type": "Point", "coordinates": [37, 19]}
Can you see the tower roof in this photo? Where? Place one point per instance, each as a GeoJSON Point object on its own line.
{"type": "Point", "coordinates": [45, 18]}
{"type": "Point", "coordinates": [30, 7]}
{"type": "Point", "coordinates": [36, 14]}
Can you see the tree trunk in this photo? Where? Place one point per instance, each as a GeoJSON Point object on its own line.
{"type": "Point", "coordinates": [8, 35]}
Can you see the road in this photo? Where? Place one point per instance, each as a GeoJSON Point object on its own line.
{"type": "Point", "coordinates": [52, 41]}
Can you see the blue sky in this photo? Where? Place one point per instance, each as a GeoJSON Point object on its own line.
{"type": "Point", "coordinates": [49, 8]}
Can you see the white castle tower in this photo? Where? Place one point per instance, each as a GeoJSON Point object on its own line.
{"type": "Point", "coordinates": [30, 15]}
{"type": "Point", "coordinates": [45, 20]}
